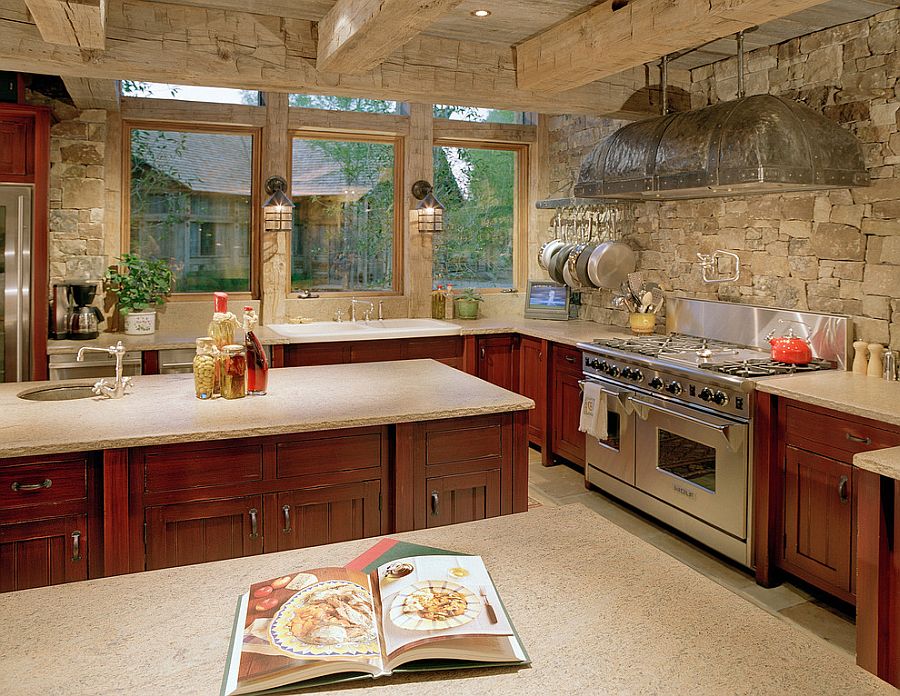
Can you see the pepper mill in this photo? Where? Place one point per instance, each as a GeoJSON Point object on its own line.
{"type": "Point", "coordinates": [876, 366]}
{"type": "Point", "coordinates": [860, 363]}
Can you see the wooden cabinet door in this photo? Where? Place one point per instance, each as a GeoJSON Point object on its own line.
{"type": "Point", "coordinates": [467, 497]}
{"type": "Point", "coordinates": [323, 515]}
{"type": "Point", "coordinates": [43, 552]}
{"type": "Point", "coordinates": [496, 361]}
{"type": "Point", "coordinates": [533, 384]}
{"type": "Point", "coordinates": [208, 530]}
{"type": "Point", "coordinates": [566, 440]}
{"type": "Point", "coordinates": [818, 519]}
{"type": "Point", "coordinates": [16, 141]}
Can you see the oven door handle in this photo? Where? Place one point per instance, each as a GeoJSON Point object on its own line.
{"type": "Point", "coordinates": [623, 398]}
{"type": "Point", "coordinates": [734, 439]}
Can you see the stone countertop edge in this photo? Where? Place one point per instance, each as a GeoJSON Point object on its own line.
{"type": "Point", "coordinates": [567, 332]}
{"type": "Point", "coordinates": [168, 631]}
{"type": "Point", "coordinates": [838, 390]}
{"type": "Point", "coordinates": [884, 462]}
{"type": "Point", "coordinates": [162, 409]}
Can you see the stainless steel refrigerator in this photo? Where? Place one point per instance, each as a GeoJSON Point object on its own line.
{"type": "Point", "coordinates": [15, 278]}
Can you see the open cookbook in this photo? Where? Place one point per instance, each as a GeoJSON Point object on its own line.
{"type": "Point", "coordinates": [382, 613]}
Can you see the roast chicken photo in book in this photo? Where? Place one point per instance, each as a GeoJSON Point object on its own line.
{"type": "Point", "coordinates": [328, 625]}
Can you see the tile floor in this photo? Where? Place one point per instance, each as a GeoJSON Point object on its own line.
{"type": "Point", "coordinates": [564, 485]}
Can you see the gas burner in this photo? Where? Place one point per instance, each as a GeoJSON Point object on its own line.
{"type": "Point", "coordinates": [670, 346]}
{"type": "Point", "coordinates": [765, 368]}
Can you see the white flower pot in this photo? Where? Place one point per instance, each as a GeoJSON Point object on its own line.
{"type": "Point", "coordinates": [140, 323]}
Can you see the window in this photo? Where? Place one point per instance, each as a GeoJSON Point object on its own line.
{"type": "Point", "coordinates": [319, 101]}
{"type": "Point", "coordinates": [473, 113]}
{"type": "Point", "coordinates": [190, 201]}
{"type": "Point", "coordinates": [215, 95]}
{"type": "Point", "coordinates": [479, 187]}
{"type": "Point", "coordinates": [345, 219]}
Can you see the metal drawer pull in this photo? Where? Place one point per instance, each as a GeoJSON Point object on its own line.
{"type": "Point", "coordinates": [254, 523]}
{"type": "Point", "coordinates": [435, 502]}
{"type": "Point", "coordinates": [482, 353]}
{"type": "Point", "coordinates": [842, 489]}
{"type": "Point", "coordinates": [46, 483]}
{"type": "Point", "coordinates": [857, 438]}
{"type": "Point", "coordinates": [76, 546]}
{"type": "Point", "coordinates": [569, 358]}
{"type": "Point", "coordinates": [286, 511]}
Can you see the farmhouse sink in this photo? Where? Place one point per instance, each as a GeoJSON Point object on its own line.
{"type": "Point", "coordinates": [325, 331]}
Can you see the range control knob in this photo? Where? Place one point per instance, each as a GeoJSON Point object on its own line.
{"type": "Point", "coordinates": [706, 394]}
{"type": "Point", "coordinates": [656, 383]}
{"type": "Point", "coordinates": [593, 362]}
{"type": "Point", "coordinates": [721, 398]}
{"type": "Point", "coordinates": [626, 372]}
{"type": "Point", "coordinates": [613, 371]}
{"type": "Point", "coordinates": [602, 365]}
{"type": "Point", "coordinates": [637, 375]}
{"type": "Point", "coordinates": [674, 388]}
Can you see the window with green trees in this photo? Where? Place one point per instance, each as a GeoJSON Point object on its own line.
{"type": "Point", "coordinates": [474, 113]}
{"type": "Point", "coordinates": [190, 202]}
{"type": "Point", "coordinates": [477, 185]}
{"type": "Point", "coordinates": [321, 101]}
{"type": "Point", "coordinates": [164, 90]}
{"type": "Point", "coordinates": [345, 216]}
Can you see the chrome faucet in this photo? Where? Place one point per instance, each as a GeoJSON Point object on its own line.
{"type": "Point", "coordinates": [354, 302]}
{"type": "Point", "coordinates": [102, 387]}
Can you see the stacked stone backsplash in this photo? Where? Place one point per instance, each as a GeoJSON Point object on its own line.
{"type": "Point", "coordinates": [836, 251]}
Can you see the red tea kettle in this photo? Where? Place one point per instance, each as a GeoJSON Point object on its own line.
{"type": "Point", "coordinates": [790, 349]}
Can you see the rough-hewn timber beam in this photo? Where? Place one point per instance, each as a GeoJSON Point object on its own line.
{"type": "Point", "coordinates": [187, 45]}
{"type": "Point", "coordinates": [602, 41]}
{"type": "Point", "coordinates": [93, 94]}
{"type": "Point", "coordinates": [358, 35]}
{"type": "Point", "coordinates": [70, 22]}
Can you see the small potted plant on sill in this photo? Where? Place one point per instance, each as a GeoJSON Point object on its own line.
{"type": "Point", "coordinates": [467, 304]}
{"type": "Point", "coordinates": [139, 284]}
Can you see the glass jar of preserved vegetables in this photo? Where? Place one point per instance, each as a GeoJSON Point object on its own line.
{"type": "Point", "coordinates": [234, 372]}
{"type": "Point", "coordinates": [206, 368]}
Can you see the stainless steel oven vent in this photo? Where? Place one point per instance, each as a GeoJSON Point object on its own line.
{"type": "Point", "coordinates": [754, 145]}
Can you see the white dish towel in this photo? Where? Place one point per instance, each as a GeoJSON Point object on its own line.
{"type": "Point", "coordinates": [593, 411]}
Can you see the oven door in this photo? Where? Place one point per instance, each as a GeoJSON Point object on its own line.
{"type": "Point", "coordinates": [615, 454]}
{"type": "Point", "coordinates": [692, 460]}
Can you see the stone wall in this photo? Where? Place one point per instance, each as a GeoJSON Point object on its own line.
{"type": "Point", "coordinates": [836, 251]}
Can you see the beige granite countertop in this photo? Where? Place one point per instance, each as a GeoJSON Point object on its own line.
{"type": "Point", "coordinates": [858, 395]}
{"type": "Point", "coordinates": [162, 409]}
{"type": "Point", "coordinates": [599, 611]}
{"type": "Point", "coordinates": [885, 462]}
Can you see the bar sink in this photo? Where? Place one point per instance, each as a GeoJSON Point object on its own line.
{"type": "Point", "coordinates": [58, 392]}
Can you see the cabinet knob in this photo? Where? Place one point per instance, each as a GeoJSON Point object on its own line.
{"type": "Point", "coordinates": [842, 489]}
{"type": "Point", "coordinates": [435, 502]}
{"type": "Point", "coordinates": [482, 352]}
{"type": "Point", "coordinates": [286, 513]}
{"type": "Point", "coordinates": [76, 546]}
{"type": "Point", "coordinates": [254, 523]}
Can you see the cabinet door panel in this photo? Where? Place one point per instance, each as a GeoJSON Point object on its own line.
{"type": "Point", "coordinates": [567, 440]}
{"type": "Point", "coordinates": [42, 553]}
{"type": "Point", "coordinates": [462, 497]}
{"type": "Point", "coordinates": [495, 361]}
{"type": "Point", "coordinates": [324, 515]}
{"type": "Point", "coordinates": [818, 516]}
{"type": "Point", "coordinates": [533, 384]}
{"type": "Point", "coordinates": [198, 532]}
{"type": "Point", "coordinates": [15, 137]}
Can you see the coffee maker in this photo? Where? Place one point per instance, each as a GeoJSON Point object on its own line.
{"type": "Point", "coordinates": [83, 318]}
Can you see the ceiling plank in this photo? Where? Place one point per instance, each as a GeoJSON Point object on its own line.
{"type": "Point", "coordinates": [88, 93]}
{"type": "Point", "coordinates": [602, 41]}
{"type": "Point", "coordinates": [358, 35]}
{"type": "Point", "coordinates": [160, 42]}
{"type": "Point", "coordinates": [79, 23]}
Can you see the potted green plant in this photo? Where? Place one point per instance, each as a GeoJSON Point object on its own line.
{"type": "Point", "coordinates": [467, 304]}
{"type": "Point", "coordinates": [139, 284]}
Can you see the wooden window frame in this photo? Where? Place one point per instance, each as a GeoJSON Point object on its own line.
{"type": "Point", "coordinates": [399, 245]}
{"type": "Point", "coordinates": [255, 133]}
{"type": "Point", "coordinates": [520, 203]}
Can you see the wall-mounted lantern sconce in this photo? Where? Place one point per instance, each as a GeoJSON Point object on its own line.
{"type": "Point", "coordinates": [428, 215]}
{"type": "Point", "coordinates": [278, 210]}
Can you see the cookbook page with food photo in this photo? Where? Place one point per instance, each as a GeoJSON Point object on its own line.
{"type": "Point", "coordinates": [443, 607]}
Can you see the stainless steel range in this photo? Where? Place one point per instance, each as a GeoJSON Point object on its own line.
{"type": "Point", "coordinates": [680, 413]}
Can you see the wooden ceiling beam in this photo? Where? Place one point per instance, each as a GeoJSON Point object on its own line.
{"type": "Point", "coordinates": [603, 41]}
{"type": "Point", "coordinates": [80, 23]}
{"type": "Point", "coordinates": [161, 42]}
{"type": "Point", "coordinates": [358, 35]}
{"type": "Point", "coordinates": [88, 93]}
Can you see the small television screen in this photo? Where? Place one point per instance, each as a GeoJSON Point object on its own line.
{"type": "Point", "coordinates": [548, 296]}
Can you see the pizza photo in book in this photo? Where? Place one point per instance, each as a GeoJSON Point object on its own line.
{"type": "Point", "coordinates": [327, 625]}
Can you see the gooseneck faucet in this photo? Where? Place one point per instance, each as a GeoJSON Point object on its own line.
{"type": "Point", "coordinates": [368, 314]}
{"type": "Point", "coordinates": [102, 387]}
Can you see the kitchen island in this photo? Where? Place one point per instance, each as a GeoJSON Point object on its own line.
{"type": "Point", "coordinates": [97, 487]}
{"type": "Point", "coordinates": [598, 610]}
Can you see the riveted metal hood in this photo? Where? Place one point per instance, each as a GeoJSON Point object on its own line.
{"type": "Point", "coordinates": [759, 144]}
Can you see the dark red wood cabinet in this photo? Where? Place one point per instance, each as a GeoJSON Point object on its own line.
{"type": "Point", "coordinates": [533, 376]}
{"type": "Point", "coordinates": [496, 360]}
{"type": "Point", "coordinates": [445, 349]}
{"type": "Point", "coordinates": [566, 440]}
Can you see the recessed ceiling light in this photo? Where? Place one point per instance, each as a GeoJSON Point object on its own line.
{"type": "Point", "coordinates": [480, 13]}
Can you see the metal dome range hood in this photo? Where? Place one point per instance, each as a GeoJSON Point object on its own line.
{"type": "Point", "coordinates": [754, 145]}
